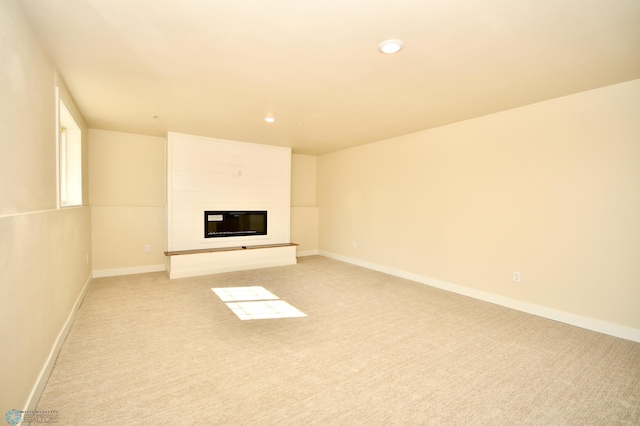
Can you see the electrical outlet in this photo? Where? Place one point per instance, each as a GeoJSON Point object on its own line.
{"type": "Point", "coordinates": [516, 277]}
{"type": "Point", "coordinates": [147, 248]}
{"type": "Point", "coordinates": [354, 244]}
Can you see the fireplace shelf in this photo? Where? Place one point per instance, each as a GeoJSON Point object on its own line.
{"type": "Point", "coordinates": [222, 249]}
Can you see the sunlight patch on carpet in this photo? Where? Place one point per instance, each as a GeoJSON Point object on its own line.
{"type": "Point", "coordinates": [256, 302]}
{"type": "Point", "coordinates": [264, 310]}
{"type": "Point", "coordinates": [234, 294]}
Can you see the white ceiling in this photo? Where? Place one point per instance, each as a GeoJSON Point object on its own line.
{"type": "Point", "coordinates": [217, 67]}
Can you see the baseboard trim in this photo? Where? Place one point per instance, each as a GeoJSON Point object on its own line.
{"type": "Point", "coordinates": [592, 324]}
{"type": "Point", "coordinates": [307, 253]}
{"type": "Point", "coordinates": [101, 273]}
{"type": "Point", "coordinates": [43, 377]}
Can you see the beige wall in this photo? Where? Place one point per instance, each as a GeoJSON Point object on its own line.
{"type": "Point", "coordinates": [304, 209]}
{"type": "Point", "coordinates": [43, 250]}
{"type": "Point", "coordinates": [551, 190]}
{"type": "Point", "coordinates": [127, 202]}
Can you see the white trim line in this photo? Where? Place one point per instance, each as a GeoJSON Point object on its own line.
{"type": "Point", "coordinates": [128, 271]}
{"type": "Point", "coordinates": [541, 311]}
{"type": "Point", "coordinates": [45, 372]}
{"type": "Point", "coordinates": [307, 253]}
{"type": "Point", "coordinates": [2, 216]}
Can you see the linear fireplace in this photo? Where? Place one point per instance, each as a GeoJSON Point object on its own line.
{"type": "Point", "coordinates": [237, 223]}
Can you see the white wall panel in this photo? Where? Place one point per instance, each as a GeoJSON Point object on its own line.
{"type": "Point", "coordinates": [214, 174]}
{"type": "Point", "coordinates": [227, 261]}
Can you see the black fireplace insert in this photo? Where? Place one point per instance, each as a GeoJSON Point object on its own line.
{"type": "Point", "coordinates": [236, 223]}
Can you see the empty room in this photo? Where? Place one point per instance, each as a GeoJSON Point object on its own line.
{"type": "Point", "coordinates": [332, 213]}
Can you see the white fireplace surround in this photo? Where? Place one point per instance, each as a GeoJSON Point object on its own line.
{"type": "Point", "coordinates": [214, 174]}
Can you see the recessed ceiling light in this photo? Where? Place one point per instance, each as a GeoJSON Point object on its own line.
{"type": "Point", "coordinates": [391, 46]}
{"type": "Point", "coordinates": [269, 119]}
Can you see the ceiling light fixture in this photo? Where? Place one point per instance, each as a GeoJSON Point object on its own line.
{"type": "Point", "coordinates": [269, 119]}
{"type": "Point", "coordinates": [391, 46]}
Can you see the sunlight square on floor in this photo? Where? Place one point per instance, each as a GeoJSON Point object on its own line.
{"type": "Point", "coordinates": [233, 294]}
{"type": "Point", "coordinates": [264, 309]}
{"type": "Point", "coordinates": [256, 302]}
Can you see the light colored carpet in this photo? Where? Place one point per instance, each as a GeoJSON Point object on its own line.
{"type": "Point", "coordinates": [373, 350]}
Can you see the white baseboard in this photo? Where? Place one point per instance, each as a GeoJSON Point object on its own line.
{"type": "Point", "coordinates": [45, 372]}
{"type": "Point", "coordinates": [307, 253]}
{"type": "Point", "coordinates": [128, 271]}
{"type": "Point", "coordinates": [611, 329]}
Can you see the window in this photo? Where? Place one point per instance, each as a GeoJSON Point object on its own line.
{"type": "Point", "coordinates": [69, 158]}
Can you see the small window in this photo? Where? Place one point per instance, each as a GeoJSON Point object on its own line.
{"type": "Point", "coordinates": [69, 158]}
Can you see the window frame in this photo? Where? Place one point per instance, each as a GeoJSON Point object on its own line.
{"type": "Point", "coordinates": [68, 156]}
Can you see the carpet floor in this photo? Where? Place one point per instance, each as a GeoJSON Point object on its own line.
{"type": "Point", "coordinates": [373, 350]}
